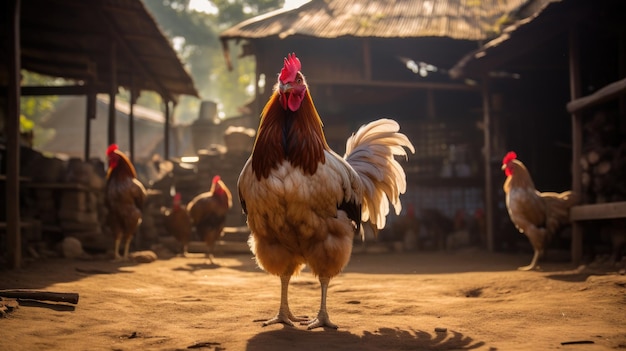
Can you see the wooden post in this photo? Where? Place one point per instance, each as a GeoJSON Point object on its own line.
{"type": "Point", "coordinates": [487, 155]}
{"type": "Point", "coordinates": [12, 129]}
{"type": "Point", "coordinates": [131, 122]}
{"type": "Point", "coordinates": [577, 134]}
{"type": "Point", "coordinates": [112, 93]}
{"type": "Point", "coordinates": [166, 140]}
{"type": "Point", "coordinates": [91, 114]}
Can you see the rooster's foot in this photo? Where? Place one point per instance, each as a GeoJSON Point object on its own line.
{"type": "Point", "coordinates": [284, 318]}
{"type": "Point", "coordinates": [322, 320]}
{"type": "Point", "coordinates": [530, 267]}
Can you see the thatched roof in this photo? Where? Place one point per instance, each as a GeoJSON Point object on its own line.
{"type": "Point", "coordinates": [73, 39]}
{"type": "Point", "coordinates": [540, 21]}
{"type": "Point", "coordinates": [456, 19]}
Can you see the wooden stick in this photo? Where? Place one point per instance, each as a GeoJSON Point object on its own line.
{"type": "Point", "coordinates": [41, 295]}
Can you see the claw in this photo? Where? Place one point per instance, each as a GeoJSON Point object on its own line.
{"type": "Point", "coordinates": [284, 314]}
{"type": "Point", "coordinates": [322, 320]}
{"type": "Point", "coordinates": [286, 319]}
{"type": "Point", "coordinates": [525, 268]}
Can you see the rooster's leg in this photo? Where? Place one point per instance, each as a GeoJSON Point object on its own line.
{"type": "Point", "coordinates": [127, 248]}
{"type": "Point", "coordinates": [116, 252]}
{"type": "Point", "coordinates": [537, 237]}
{"type": "Point", "coordinates": [209, 254]}
{"type": "Point", "coordinates": [284, 314]}
{"type": "Point", "coordinates": [533, 263]}
{"type": "Point", "coordinates": [322, 319]}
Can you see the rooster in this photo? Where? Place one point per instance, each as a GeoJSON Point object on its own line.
{"type": "Point", "coordinates": [304, 203]}
{"type": "Point", "coordinates": [538, 215]}
{"type": "Point", "coordinates": [125, 197]}
{"type": "Point", "coordinates": [178, 223]}
{"type": "Point", "coordinates": [208, 213]}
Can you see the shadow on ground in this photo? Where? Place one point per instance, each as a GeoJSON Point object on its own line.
{"type": "Point", "coordinates": [383, 339]}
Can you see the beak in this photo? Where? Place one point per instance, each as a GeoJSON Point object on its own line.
{"type": "Point", "coordinates": [503, 167]}
{"type": "Point", "coordinates": [285, 88]}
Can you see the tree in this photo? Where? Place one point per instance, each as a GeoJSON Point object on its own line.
{"type": "Point", "coordinates": [195, 36]}
{"type": "Point", "coordinates": [33, 108]}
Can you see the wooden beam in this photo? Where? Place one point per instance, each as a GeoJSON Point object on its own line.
{"type": "Point", "coordinates": [395, 84]}
{"type": "Point", "coordinates": [607, 93]}
{"type": "Point", "coordinates": [12, 131]}
{"type": "Point", "coordinates": [609, 210]}
{"type": "Point", "coordinates": [59, 90]}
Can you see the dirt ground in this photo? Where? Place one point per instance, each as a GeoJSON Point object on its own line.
{"type": "Point", "coordinates": [470, 300]}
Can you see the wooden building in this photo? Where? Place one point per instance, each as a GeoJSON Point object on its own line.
{"type": "Point", "coordinates": [98, 46]}
{"type": "Point", "coordinates": [567, 112]}
{"type": "Point", "coordinates": [369, 59]}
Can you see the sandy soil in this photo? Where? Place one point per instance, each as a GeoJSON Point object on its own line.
{"type": "Point", "coordinates": [383, 301]}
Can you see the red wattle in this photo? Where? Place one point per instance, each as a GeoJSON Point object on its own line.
{"type": "Point", "coordinates": [294, 102]}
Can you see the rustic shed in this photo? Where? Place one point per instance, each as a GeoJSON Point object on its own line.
{"type": "Point", "coordinates": [370, 59]}
{"type": "Point", "coordinates": [148, 128]}
{"type": "Point", "coordinates": [98, 45]}
{"type": "Point", "coordinates": [577, 49]}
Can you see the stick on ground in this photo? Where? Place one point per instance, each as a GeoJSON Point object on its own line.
{"type": "Point", "coordinates": [41, 295]}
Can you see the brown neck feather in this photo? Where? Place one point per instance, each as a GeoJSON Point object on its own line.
{"type": "Point", "coordinates": [520, 178]}
{"type": "Point", "coordinates": [285, 135]}
{"type": "Point", "coordinates": [123, 169]}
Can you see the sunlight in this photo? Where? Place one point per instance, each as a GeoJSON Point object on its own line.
{"type": "Point", "coordinates": [292, 4]}
{"type": "Point", "coordinates": [207, 7]}
{"type": "Point", "coordinates": [202, 6]}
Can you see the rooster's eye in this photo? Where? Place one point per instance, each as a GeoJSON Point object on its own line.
{"type": "Point", "coordinates": [299, 80]}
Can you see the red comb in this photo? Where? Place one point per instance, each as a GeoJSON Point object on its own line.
{"type": "Point", "coordinates": [111, 148]}
{"type": "Point", "coordinates": [510, 156]}
{"type": "Point", "coordinates": [290, 69]}
{"type": "Point", "coordinates": [216, 179]}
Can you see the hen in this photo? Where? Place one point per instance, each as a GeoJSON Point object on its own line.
{"type": "Point", "coordinates": [536, 214]}
{"type": "Point", "coordinates": [124, 199]}
{"type": "Point", "coordinates": [304, 203]}
{"type": "Point", "coordinates": [178, 223]}
{"type": "Point", "coordinates": [208, 213]}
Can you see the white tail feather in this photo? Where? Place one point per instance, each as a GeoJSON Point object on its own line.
{"type": "Point", "coordinates": [371, 152]}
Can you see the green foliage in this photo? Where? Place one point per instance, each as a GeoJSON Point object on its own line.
{"type": "Point", "coordinates": [34, 108]}
{"type": "Point", "coordinates": [26, 125]}
{"type": "Point", "coordinates": [196, 35]}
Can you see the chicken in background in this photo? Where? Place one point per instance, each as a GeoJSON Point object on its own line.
{"type": "Point", "coordinates": [407, 227]}
{"type": "Point", "coordinates": [536, 214]}
{"type": "Point", "coordinates": [124, 199]}
{"type": "Point", "coordinates": [178, 223]}
{"type": "Point", "coordinates": [304, 203]}
{"type": "Point", "coordinates": [208, 213]}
